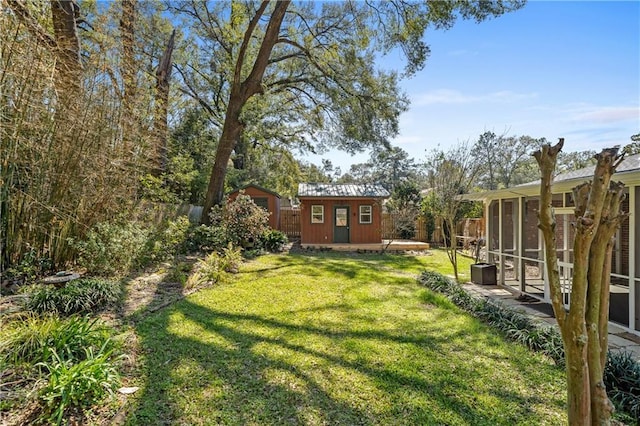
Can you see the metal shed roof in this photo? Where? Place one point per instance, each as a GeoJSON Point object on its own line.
{"type": "Point", "coordinates": [340, 190]}
{"type": "Point", "coordinates": [260, 188]}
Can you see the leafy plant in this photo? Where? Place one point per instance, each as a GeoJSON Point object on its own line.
{"type": "Point", "coordinates": [112, 249]}
{"type": "Point", "coordinates": [179, 273]}
{"type": "Point", "coordinates": [622, 379]}
{"type": "Point", "coordinates": [169, 239]}
{"type": "Point", "coordinates": [205, 238]}
{"type": "Point", "coordinates": [208, 269]}
{"type": "Point", "coordinates": [78, 384]}
{"type": "Point", "coordinates": [231, 258]}
{"type": "Point", "coordinates": [29, 268]}
{"type": "Point", "coordinates": [274, 240]}
{"type": "Point", "coordinates": [242, 220]}
{"type": "Point", "coordinates": [34, 339]}
{"type": "Point", "coordinates": [78, 296]}
{"type": "Point", "coordinates": [213, 267]}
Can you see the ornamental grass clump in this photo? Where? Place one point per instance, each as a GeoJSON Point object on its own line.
{"type": "Point", "coordinates": [32, 339]}
{"type": "Point", "coordinates": [622, 379]}
{"type": "Point", "coordinates": [66, 365]}
{"type": "Point", "coordinates": [84, 295]}
{"type": "Point", "coordinates": [79, 384]}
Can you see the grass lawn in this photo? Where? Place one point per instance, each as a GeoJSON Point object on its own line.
{"type": "Point", "coordinates": [330, 338]}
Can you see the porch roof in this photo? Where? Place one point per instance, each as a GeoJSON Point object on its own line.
{"type": "Point", "coordinates": [628, 171]}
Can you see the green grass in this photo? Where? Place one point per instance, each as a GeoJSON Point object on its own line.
{"type": "Point", "coordinates": [336, 339]}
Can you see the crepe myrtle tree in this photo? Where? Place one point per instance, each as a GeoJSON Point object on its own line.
{"type": "Point", "coordinates": [451, 173]}
{"type": "Point", "coordinates": [584, 325]}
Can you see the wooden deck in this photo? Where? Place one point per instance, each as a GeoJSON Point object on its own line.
{"type": "Point", "coordinates": [393, 246]}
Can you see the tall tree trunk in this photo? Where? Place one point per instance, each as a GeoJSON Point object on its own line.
{"type": "Point", "coordinates": [161, 111]}
{"type": "Point", "coordinates": [241, 92]}
{"type": "Point", "coordinates": [128, 71]}
{"type": "Point", "coordinates": [584, 327]}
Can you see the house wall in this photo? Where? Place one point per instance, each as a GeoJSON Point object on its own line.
{"type": "Point", "coordinates": [322, 233]}
{"type": "Point", "coordinates": [273, 203]}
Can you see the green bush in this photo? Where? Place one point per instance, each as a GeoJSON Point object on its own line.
{"type": "Point", "coordinates": [30, 267]}
{"type": "Point", "coordinates": [78, 385]}
{"type": "Point", "coordinates": [242, 220]}
{"type": "Point", "coordinates": [169, 239]}
{"type": "Point", "coordinates": [34, 339]}
{"type": "Point", "coordinates": [75, 357]}
{"type": "Point", "coordinates": [213, 267]}
{"type": "Point", "coordinates": [83, 295]}
{"type": "Point", "coordinates": [112, 249]}
{"type": "Point", "coordinates": [179, 273]}
{"type": "Point", "coordinates": [273, 240]}
{"type": "Point", "coordinates": [205, 239]}
{"type": "Point", "coordinates": [231, 259]}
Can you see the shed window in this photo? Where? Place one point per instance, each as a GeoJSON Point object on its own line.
{"type": "Point", "coordinates": [317, 214]}
{"type": "Point", "coordinates": [366, 214]}
{"type": "Point", "coordinates": [261, 202]}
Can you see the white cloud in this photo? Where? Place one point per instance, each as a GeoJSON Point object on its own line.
{"type": "Point", "coordinates": [608, 114]}
{"type": "Point", "coordinates": [407, 140]}
{"type": "Point", "coordinates": [446, 96]}
{"type": "Point", "coordinates": [462, 52]}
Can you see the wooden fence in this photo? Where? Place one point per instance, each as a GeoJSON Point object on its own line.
{"type": "Point", "coordinates": [390, 226]}
{"type": "Point", "coordinates": [290, 222]}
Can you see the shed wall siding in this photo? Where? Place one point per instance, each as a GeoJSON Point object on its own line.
{"type": "Point", "coordinates": [322, 233]}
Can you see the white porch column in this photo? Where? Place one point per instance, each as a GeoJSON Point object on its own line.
{"type": "Point", "coordinates": [632, 258]}
{"type": "Point", "coordinates": [500, 244]}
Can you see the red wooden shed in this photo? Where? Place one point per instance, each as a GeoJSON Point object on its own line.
{"type": "Point", "coordinates": [346, 214]}
{"type": "Point", "coordinates": [268, 200]}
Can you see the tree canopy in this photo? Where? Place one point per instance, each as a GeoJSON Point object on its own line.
{"type": "Point", "coordinates": [303, 75]}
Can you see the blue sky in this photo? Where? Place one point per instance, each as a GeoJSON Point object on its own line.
{"type": "Point", "coordinates": [552, 69]}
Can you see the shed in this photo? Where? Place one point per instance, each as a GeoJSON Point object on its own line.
{"type": "Point", "coordinates": [516, 246]}
{"type": "Point", "coordinates": [268, 200]}
{"type": "Point", "coordinates": [341, 214]}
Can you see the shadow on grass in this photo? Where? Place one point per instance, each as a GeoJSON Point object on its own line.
{"type": "Point", "coordinates": [351, 265]}
{"type": "Point", "coordinates": [207, 365]}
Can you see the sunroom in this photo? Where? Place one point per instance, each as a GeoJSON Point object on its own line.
{"type": "Point", "coordinates": [516, 246]}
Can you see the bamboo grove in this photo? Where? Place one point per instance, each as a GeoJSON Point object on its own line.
{"type": "Point", "coordinates": [78, 121]}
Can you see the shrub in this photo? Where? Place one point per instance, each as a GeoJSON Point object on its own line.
{"type": "Point", "coordinates": [274, 240]}
{"type": "Point", "coordinates": [29, 268]}
{"type": "Point", "coordinates": [231, 259]}
{"type": "Point", "coordinates": [213, 267]}
{"type": "Point", "coordinates": [112, 249]}
{"type": "Point", "coordinates": [169, 239]}
{"type": "Point", "coordinates": [78, 384]}
{"type": "Point", "coordinates": [179, 273]}
{"type": "Point", "coordinates": [205, 239]}
{"type": "Point", "coordinates": [34, 339]}
{"type": "Point", "coordinates": [83, 295]}
{"type": "Point", "coordinates": [242, 220]}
